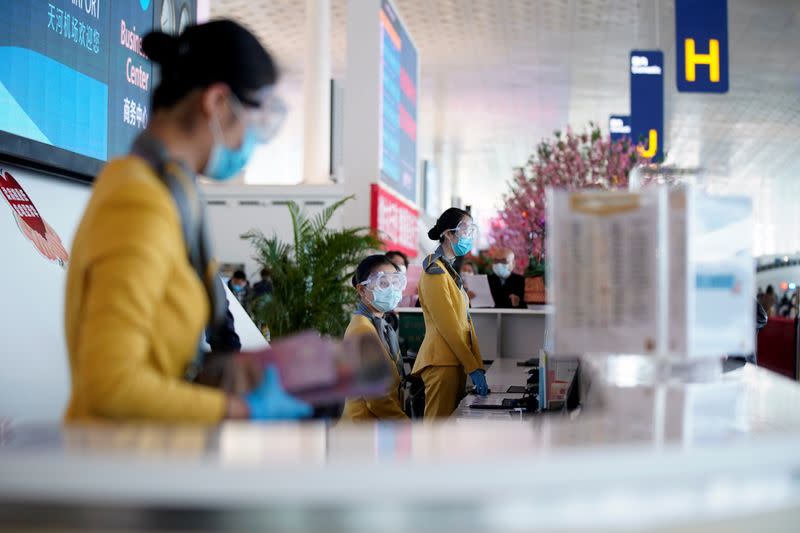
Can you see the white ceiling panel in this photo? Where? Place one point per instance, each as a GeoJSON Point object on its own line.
{"type": "Point", "coordinates": [498, 75]}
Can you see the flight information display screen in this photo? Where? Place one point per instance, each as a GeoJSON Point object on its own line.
{"type": "Point", "coordinates": [74, 84]}
{"type": "Point", "coordinates": [398, 105]}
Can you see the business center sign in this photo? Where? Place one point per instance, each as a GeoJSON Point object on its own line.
{"type": "Point", "coordinates": [647, 103]}
{"type": "Point", "coordinates": [701, 46]}
{"type": "Point", "coordinates": [74, 84]}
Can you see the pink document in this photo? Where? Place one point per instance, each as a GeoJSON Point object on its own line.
{"type": "Point", "coordinates": [318, 370]}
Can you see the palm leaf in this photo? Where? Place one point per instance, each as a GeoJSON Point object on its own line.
{"type": "Point", "coordinates": [298, 223]}
{"type": "Point", "coordinates": [320, 221]}
{"type": "Point", "coordinates": [311, 277]}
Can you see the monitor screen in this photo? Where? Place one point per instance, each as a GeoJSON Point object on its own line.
{"type": "Point", "coordinates": [74, 84]}
{"type": "Point", "coordinates": [398, 105]}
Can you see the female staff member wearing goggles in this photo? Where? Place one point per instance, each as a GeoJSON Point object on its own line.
{"type": "Point", "coordinates": [450, 349]}
{"type": "Point", "coordinates": [141, 286]}
{"type": "Point", "coordinates": [380, 285]}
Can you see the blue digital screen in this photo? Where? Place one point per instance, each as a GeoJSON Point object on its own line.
{"type": "Point", "coordinates": [75, 87]}
{"type": "Point", "coordinates": [398, 162]}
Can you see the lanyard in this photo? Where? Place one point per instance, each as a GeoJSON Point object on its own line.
{"type": "Point", "coordinates": [387, 335]}
{"type": "Point", "coordinates": [456, 278]}
{"type": "Point", "coordinates": [181, 184]}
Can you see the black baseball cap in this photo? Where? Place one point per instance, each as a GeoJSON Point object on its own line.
{"type": "Point", "coordinates": [217, 51]}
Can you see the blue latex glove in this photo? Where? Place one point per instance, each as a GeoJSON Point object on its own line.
{"type": "Point", "coordinates": [479, 380]}
{"type": "Point", "coordinates": [269, 401]}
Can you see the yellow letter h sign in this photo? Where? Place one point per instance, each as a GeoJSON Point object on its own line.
{"type": "Point", "coordinates": [692, 59]}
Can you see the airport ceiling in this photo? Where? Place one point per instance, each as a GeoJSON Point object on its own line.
{"type": "Point", "coordinates": [498, 75]}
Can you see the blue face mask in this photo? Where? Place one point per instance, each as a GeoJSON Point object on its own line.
{"type": "Point", "coordinates": [385, 300]}
{"type": "Point", "coordinates": [463, 246]}
{"type": "Point", "coordinates": [224, 162]}
{"type": "Point", "coordinates": [238, 288]}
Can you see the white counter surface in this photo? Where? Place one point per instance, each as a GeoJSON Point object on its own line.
{"type": "Point", "coordinates": [629, 466]}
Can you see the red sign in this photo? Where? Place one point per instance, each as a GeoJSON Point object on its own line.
{"type": "Point", "coordinates": [395, 221]}
{"type": "Point", "coordinates": [32, 225]}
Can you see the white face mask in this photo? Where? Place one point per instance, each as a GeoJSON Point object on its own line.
{"type": "Point", "coordinates": [502, 270]}
{"type": "Point", "coordinates": [386, 300]}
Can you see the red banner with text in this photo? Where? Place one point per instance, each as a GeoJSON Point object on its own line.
{"type": "Point", "coordinates": [394, 220]}
{"type": "Point", "coordinates": [30, 222]}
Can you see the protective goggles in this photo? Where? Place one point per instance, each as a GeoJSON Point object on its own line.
{"type": "Point", "coordinates": [385, 280]}
{"type": "Point", "coordinates": [266, 116]}
{"type": "Point", "coordinates": [467, 230]}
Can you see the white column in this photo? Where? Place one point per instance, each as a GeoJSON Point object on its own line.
{"type": "Point", "coordinates": [316, 91]}
{"type": "Point", "coordinates": [362, 108]}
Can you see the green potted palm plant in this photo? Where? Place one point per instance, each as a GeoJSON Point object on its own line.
{"type": "Point", "coordinates": [311, 275]}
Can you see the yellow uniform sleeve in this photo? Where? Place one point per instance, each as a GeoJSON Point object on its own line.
{"type": "Point", "coordinates": [124, 287]}
{"type": "Point", "coordinates": [443, 313]}
{"type": "Point", "coordinates": [476, 347]}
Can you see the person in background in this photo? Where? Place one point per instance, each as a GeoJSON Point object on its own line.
{"type": "Point", "coordinates": [222, 337]}
{"type": "Point", "coordinates": [399, 259]}
{"type": "Point", "coordinates": [769, 300]}
{"type": "Point", "coordinates": [468, 269]}
{"type": "Point", "coordinates": [239, 286]}
{"type": "Point", "coordinates": [785, 305]}
{"type": "Point", "coordinates": [263, 287]}
{"type": "Point", "coordinates": [379, 284]}
{"type": "Point", "coordinates": [450, 350]}
{"type": "Point", "coordinates": [508, 288]}
{"type": "Point", "coordinates": [141, 285]}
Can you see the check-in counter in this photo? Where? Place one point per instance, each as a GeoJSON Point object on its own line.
{"type": "Point", "coordinates": [674, 458]}
{"type": "Point", "coordinates": [502, 333]}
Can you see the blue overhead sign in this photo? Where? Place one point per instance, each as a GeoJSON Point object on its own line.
{"type": "Point", "coordinates": [647, 103]}
{"type": "Point", "coordinates": [619, 126]}
{"type": "Point", "coordinates": [701, 33]}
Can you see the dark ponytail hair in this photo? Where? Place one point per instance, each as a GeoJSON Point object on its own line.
{"type": "Point", "coordinates": [368, 266]}
{"type": "Point", "coordinates": [217, 51]}
{"type": "Point", "coordinates": [447, 221]}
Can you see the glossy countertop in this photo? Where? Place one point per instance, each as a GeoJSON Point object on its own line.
{"type": "Point", "coordinates": [672, 452]}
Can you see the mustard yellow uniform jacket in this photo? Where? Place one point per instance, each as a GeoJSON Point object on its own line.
{"type": "Point", "coordinates": [135, 308]}
{"type": "Point", "coordinates": [388, 406]}
{"type": "Point", "coordinates": [449, 334]}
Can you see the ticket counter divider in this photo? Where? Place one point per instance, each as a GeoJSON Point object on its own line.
{"type": "Point", "coordinates": [502, 333]}
{"type": "Point", "coordinates": [506, 336]}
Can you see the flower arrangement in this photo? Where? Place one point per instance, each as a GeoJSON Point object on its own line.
{"type": "Point", "coordinates": [585, 160]}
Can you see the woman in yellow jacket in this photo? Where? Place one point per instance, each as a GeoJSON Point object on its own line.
{"type": "Point", "coordinates": [140, 286]}
{"type": "Point", "coordinates": [380, 287]}
{"type": "Point", "coordinates": [450, 349]}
